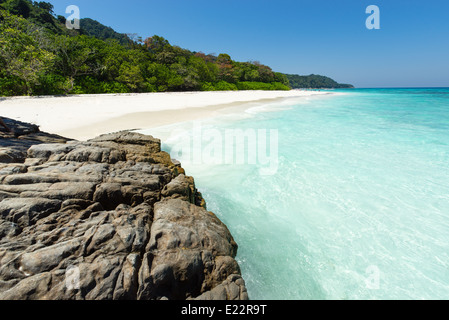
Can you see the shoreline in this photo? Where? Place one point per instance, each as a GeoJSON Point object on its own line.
{"type": "Point", "coordinates": [82, 117]}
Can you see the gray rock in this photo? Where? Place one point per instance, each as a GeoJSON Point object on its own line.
{"type": "Point", "coordinates": [233, 288]}
{"type": "Point", "coordinates": [14, 147]}
{"type": "Point", "coordinates": [8, 229]}
{"type": "Point", "coordinates": [27, 211]}
{"type": "Point", "coordinates": [180, 188]}
{"type": "Point", "coordinates": [46, 151]}
{"type": "Point", "coordinates": [187, 244]}
{"type": "Point", "coordinates": [109, 218]}
{"type": "Point", "coordinates": [109, 195]}
{"type": "Point", "coordinates": [47, 258]}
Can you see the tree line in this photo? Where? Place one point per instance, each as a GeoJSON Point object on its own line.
{"type": "Point", "coordinates": [40, 56]}
{"type": "Point", "coordinates": [314, 81]}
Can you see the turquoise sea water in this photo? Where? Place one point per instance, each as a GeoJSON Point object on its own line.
{"type": "Point", "coordinates": [359, 205]}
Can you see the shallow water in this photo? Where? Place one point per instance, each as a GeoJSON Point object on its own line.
{"type": "Point", "coordinates": [358, 207]}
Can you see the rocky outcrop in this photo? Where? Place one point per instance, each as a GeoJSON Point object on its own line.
{"type": "Point", "coordinates": [109, 218]}
{"type": "Point", "coordinates": [14, 145]}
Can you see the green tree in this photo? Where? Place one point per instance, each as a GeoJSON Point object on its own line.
{"type": "Point", "coordinates": [38, 55]}
{"type": "Point", "coordinates": [156, 44]}
{"type": "Point", "coordinates": [282, 78]}
{"type": "Point", "coordinates": [23, 50]}
{"type": "Point", "coordinates": [78, 56]}
{"type": "Point", "coordinates": [18, 7]}
{"type": "Point", "coordinates": [201, 68]}
{"type": "Point", "coordinates": [226, 68]}
{"type": "Point", "coordinates": [130, 75]}
{"type": "Point", "coordinates": [265, 72]}
{"type": "Point", "coordinates": [114, 55]}
{"type": "Point", "coordinates": [95, 29]}
{"type": "Point", "coordinates": [47, 6]}
{"type": "Point", "coordinates": [314, 81]}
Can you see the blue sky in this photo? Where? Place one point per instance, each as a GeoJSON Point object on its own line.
{"type": "Point", "coordinates": [327, 37]}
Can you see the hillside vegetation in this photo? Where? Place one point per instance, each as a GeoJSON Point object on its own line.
{"type": "Point", "coordinates": [315, 81]}
{"type": "Point", "coordinates": [40, 56]}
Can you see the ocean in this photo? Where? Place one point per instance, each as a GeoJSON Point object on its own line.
{"type": "Point", "coordinates": [340, 196]}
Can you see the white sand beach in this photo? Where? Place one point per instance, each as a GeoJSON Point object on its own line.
{"type": "Point", "coordinates": [86, 116]}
